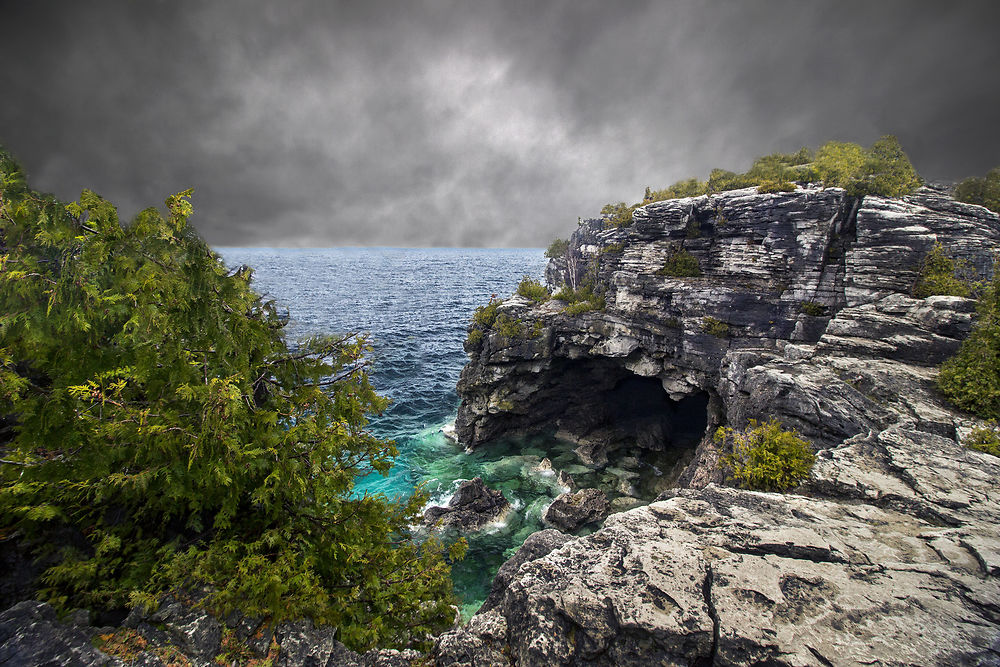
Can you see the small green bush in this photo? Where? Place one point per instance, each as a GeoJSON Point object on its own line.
{"type": "Point", "coordinates": [971, 379]}
{"type": "Point", "coordinates": [482, 321]}
{"type": "Point", "coordinates": [618, 215]}
{"type": "Point", "coordinates": [680, 264]}
{"type": "Point", "coordinates": [509, 327]}
{"type": "Point", "coordinates": [475, 337]}
{"type": "Point", "coordinates": [766, 457]}
{"type": "Point", "coordinates": [557, 248]}
{"type": "Point", "coordinates": [613, 248]}
{"type": "Point", "coordinates": [812, 308]}
{"type": "Point", "coordinates": [581, 300]}
{"type": "Point", "coordinates": [984, 439]}
{"type": "Point", "coordinates": [530, 288]}
{"type": "Point", "coordinates": [485, 316]}
{"type": "Point", "coordinates": [693, 229]}
{"type": "Point", "coordinates": [939, 275]}
{"type": "Point", "coordinates": [715, 327]}
{"type": "Point", "coordinates": [690, 187]}
{"type": "Point", "coordinates": [983, 191]}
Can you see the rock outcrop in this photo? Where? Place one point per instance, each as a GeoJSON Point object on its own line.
{"type": "Point", "coordinates": [472, 506]}
{"type": "Point", "coordinates": [889, 554]}
{"type": "Point", "coordinates": [176, 633]}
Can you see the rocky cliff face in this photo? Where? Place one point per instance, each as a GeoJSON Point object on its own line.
{"type": "Point", "coordinates": [803, 311]}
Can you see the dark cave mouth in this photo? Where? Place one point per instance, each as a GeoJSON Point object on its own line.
{"type": "Point", "coordinates": [616, 418]}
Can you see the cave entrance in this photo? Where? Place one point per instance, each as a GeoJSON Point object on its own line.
{"type": "Point", "coordinates": [613, 416]}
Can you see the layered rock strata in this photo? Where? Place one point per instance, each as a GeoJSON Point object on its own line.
{"type": "Point", "coordinates": [889, 554]}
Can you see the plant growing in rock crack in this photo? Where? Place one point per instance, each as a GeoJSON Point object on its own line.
{"type": "Point", "coordinates": [508, 327]}
{"type": "Point", "coordinates": [715, 327]}
{"type": "Point", "coordinates": [940, 274]}
{"type": "Point", "coordinates": [680, 264]}
{"type": "Point", "coordinates": [813, 309]}
{"type": "Point", "coordinates": [765, 456]}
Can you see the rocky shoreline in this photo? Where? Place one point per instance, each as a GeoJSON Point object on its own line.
{"type": "Point", "coordinates": [802, 310]}
{"type": "Point", "coordinates": [889, 554]}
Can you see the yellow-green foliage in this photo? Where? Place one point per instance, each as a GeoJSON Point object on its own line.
{"type": "Point", "coordinates": [971, 379]}
{"type": "Point", "coordinates": [508, 327]}
{"type": "Point", "coordinates": [618, 215]}
{"type": "Point", "coordinates": [812, 308]}
{"type": "Point", "coordinates": [680, 264]}
{"type": "Point", "coordinates": [557, 248]}
{"type": "Point", "coordinates": [530, 288]}
{"type": "Point", "coordinates": [983, 191]}
{"type": "Point", "coordinates": [771, 186]}
{"type": "Point", "coordinates": [581, 300]}
{"type": "Point", "coordinates": [984, 439]}
{"type": "Point", "coordinates": [939, 275]}
{"type": "Point", "coordinates": [613, 248]}
{"type": "Point", "coordinates": [690, 187]}
{"type": "Point", "coordinates": [482, 320]}
{"type": "Point", "coordinates": [165, 435]}
{"type": "Point", "coordinates": [766, 457]}
{"type": "Point", "coordinates": [715, 327]}
{"type": "Point", "coordinates": [883, 169]}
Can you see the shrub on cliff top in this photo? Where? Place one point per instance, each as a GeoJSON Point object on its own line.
{"type": "Point", "coordinates": [883, 169]}
{"type": "Point", "coordinates": [983, 191]}
{"type": "Point", "coordinates": [557, 248]}
{"type": "Point", "coordinates": [580, 300]}
{"type": "Point", "coordinates": [766, 457]}
{"type": "Point", "coordinates": [618, 215]}
{"type": "Point", "coordinates": [971, 379]}
{"type": "Point", "coordinates": [161, 433]}
{"type": "Point", "coordinates": [530, 288]}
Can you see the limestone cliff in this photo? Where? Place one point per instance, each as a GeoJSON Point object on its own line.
{"type": "Point", "coordinates": [889, 554]}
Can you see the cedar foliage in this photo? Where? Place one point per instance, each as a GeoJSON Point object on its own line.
{"type": "Point", "coordinates": [983, 191]}
{"type": "Point", "coordinates": [160, 433]}
{"type": "Point", "coordinates": [971, 379]}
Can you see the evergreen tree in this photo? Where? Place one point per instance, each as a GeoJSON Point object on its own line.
{"type": "Point", "coordinates": [983, 191]}
{"type": "Point", "coordinates": [160, 432]}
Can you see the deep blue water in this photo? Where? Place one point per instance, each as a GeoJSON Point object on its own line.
{"type": "Point", "coordinates": [416, 303]}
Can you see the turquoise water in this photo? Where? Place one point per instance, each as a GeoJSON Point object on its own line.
{"type": "Point", "coordinates": [416, 303]}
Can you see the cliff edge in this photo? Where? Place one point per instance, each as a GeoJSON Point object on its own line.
{"type": "Point", "coordinates": [795, 305]}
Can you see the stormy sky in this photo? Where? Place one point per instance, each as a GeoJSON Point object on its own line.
{"type": "Point", "coordinates": [461, 123]}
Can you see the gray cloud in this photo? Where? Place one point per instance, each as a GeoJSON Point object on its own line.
{"type": "Point", "coordinates": [456, 123]}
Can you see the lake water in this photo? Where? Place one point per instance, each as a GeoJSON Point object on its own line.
{"type": "Point", "coordinates": [416, 303]}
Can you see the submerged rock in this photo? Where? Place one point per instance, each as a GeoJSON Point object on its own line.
{"type": "Point", "coordinates": [571, 511]}
{"type": "Point", "coordinates": [472, 507]}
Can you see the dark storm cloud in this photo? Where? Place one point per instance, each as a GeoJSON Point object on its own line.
{"type": "Point", "coordinates": [457, 123]}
